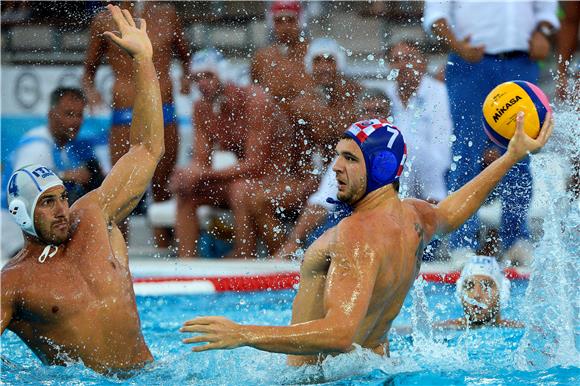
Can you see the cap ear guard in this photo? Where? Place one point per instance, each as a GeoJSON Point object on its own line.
{"type": "Point", "coordinates": [18, 211]}
{"type": "Point", "coordinates": [384, 166]}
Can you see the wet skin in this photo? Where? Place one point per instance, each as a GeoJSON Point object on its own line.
{"type": "Point", "coordinates": [354, 278]}
{"type": "Point", "coordinates": [78, 304]}
{"type": "Point", "coordinates": [481, 307]}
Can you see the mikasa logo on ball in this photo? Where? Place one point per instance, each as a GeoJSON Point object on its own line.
{"type": "Point", "coordinates": [505, 108]}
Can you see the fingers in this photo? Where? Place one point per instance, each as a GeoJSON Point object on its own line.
{"type": "Point", "coordinates": [202, 320]}
{"type": "Point", "coordinates": [128, 17]}
{"type": "Point", "coordinates": [113, 37]}
{"type": "Point", "coordinates": [206, 347]}
{"type": "Point", "coordinates": [200, 339]}
{"type": "Point", "coordinates": [547, 129]}
{"type": "Point", "coordinates": [117, 15]}
{"type": "Point", "coordinates": [520, 123]}
{"type": "Point", "coordinates": [143, 25]}
{"type": "Point", "coordinates": [195, 328]}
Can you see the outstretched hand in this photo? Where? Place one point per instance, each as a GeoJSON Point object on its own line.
{"type": "Point", "coordinates": [521, 144]}
{"type": "Point", "coordinates": [131, 39]}
{"type": "Point", "coordinates": [219, 333]}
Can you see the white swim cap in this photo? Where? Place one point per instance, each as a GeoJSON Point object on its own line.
{"type": "Point", "coordinates": [25, 186]}
{"type": "Point", "coordinates": [485, 266]}
{"type": "Point", "coordinates": [209, 60]}
{"type": "Point", "coordinates": [325, 47]}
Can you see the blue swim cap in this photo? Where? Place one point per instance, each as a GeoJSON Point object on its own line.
{"type": "Point", "coordinates": [383, 148]}
{"type": "Point", "coordinates": [25, 186]}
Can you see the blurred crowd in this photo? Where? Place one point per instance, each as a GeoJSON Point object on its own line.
{"type": "Point", "coordinates": [261, 160]}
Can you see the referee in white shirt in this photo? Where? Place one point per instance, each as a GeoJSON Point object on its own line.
{"type": "Point", "coordinates": [490, 43]}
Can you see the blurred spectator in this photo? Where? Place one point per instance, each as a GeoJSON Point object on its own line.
{"type": "Point", "coordinates": [15, 12]}
{"type": "Point", "coordinates": [279, 68]}
{"type": "Point", "coordinates": [226, 118]}
{"type": "Point", "coordinates": [164, 28]}
{"type": "Point", "coordinates": [490, 43]}
{"type": "Point", "coordinates": [329, 107]}
{"type": "Point", "coordinates": [483, 291]}
{"type": "Point", "coordinates": [320, 215]}
{"type": "Point", "coordinates": [57, 147]}
{"type": "Point", "coordinates": [566, 49]}
{"type": "Point", "coordinates": [263, 205]}
{"type": "Point", "coordinates": [421, 110]}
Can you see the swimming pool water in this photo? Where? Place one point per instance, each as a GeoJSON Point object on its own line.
{"type": "Point", "coordinates": [485, 356]}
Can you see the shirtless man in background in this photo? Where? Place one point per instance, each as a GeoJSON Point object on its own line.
{"type": "Point", "coordinates": [279, 68]}
{"type": "Point", "coordinates": [330, 107]}
{"type": "Point", "coordinates": [167, 37]}
{"type": "Point", "coordinates": [355, 277]}
{"type": "Point", "coordinates": [228, 118]}
{"type": "Point", "coordinates": [68, 294]}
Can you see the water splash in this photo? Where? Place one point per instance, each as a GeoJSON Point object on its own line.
{"type": "Point", "coordinates": [552, 305]}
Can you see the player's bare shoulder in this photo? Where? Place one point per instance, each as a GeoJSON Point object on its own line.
{"type": "Point", "coordinates": [369, 230]}
{"type": "Point", "coordinates": [426, 213]}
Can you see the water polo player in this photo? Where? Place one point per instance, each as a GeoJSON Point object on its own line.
{"type": "Point", "coordinates": [483, 291]}
{"type": "Point", "coordinates": [68, 294]}
{"type": "Point", "coordinates": [355, 277]}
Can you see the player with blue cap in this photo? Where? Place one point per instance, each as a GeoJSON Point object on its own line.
{"type": "Point", "coordinates": [355, 277]}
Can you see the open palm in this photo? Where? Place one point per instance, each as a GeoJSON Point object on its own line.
{"type": "Point", "coordinates": [132, 39]}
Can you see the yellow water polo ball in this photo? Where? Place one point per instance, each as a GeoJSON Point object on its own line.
{"type": "Point", "coordinates": [502, 104]}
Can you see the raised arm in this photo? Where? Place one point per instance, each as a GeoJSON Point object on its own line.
{"type": "Point", "coordinates": [182, 49]}
{"type": "Point", "coordinates": [353, 270]}
{"type": "Point", "coordinates": [129, 178]}
{"type": "Point", "coordinates": [462, 204]}
{"type": "Point", "coordinates": [95, 52]}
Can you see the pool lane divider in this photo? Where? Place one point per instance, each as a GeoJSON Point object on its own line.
{"type": "Point", "coordinates": [191, 285]}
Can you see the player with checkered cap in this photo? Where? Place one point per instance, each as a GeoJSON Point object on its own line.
{"type": "Point", "coordinates": [355, 277]}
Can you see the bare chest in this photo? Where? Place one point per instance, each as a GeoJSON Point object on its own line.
{"type": "Point", "coordinates": [73, 284]}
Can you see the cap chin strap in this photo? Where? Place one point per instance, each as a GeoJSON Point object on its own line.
{"type": "Point", "coordinates": [46, 253]}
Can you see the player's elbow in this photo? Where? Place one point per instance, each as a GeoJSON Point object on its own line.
{"type": "Point", "coordinates": [342, 339]}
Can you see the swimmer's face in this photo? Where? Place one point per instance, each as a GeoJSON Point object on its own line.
{"type": "Point", "coordinates": [324, 69]}
{"type": "Point", "coordinates": [66, 118]}
{"type": "Point", "coordinates": [351, 173]}
{"type": "Point", "coordinates": [480, 299]}
{"type": "Point", "coordinates": [52, 216]}
{"type": "Point", "coordinates": [286, 28]}
{"type": "Point", "coordinates": [408, 60]}
{"type": "Point", "coordinates": [208, 84]}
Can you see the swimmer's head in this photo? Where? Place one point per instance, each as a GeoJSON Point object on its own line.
{"type": "Point", "coordinates": [285, 16]}
{"type": "Point", "coordinates": [208, 70]}
{"type": "Point", "coordinates": [408, 58]}
{"type": "Point", "coordinates": [65, 116]}
{"type": "Point", "coordinates": [324, 60]}
{"type": "Point", "coordinates": [371, 155]}
{"type": "Point", "coordinates": [37, 200]}
{"type": "Point", "coordinates": [482, 289]}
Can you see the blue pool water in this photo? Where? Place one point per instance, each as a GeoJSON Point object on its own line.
{"type": "Point", "coordinates": [486, 356]}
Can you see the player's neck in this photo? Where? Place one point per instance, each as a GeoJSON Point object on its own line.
{"type": "Point", "coordinates": [384, 196]}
